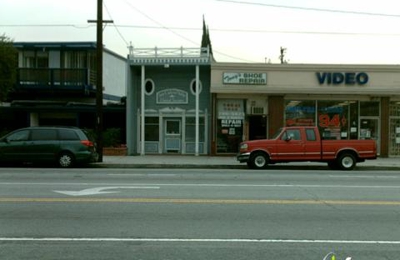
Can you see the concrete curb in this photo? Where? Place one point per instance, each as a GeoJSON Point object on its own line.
{"type": "Point", "coordinates": [236, 167]}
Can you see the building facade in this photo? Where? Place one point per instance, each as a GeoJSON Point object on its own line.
{"type": "Point", "coordinates": [252, 101]}
{"type": "Point", "coordinates": [56, 85]}
{"type": "Point", "coordinates": [168, 101]}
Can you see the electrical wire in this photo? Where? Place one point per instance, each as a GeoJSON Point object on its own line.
{"type": "Point", "coordinates": [310, 8]}
{"type": "Point", "coordinates": [181, 36]}
{"type": "Point", "coordinates": [116, 28]}
{"type": "Point", "coordinates": [198, 29]}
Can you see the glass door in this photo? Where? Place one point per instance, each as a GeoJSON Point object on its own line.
{"type": "Point", "coordinates": [172, 135]}
{"type": "Point", "coordinates": [394, 141]}
{"type": "Point", "coordinates": [369, 129]}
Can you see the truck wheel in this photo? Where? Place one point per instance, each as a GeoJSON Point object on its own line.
{"type": "Point", "coordinates": [258, 160]}
{"type": "Point", "coordinates": [347, 162]}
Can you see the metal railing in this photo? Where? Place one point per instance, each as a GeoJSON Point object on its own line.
{"type": "Point", "coordinates": [44, 78]}
{"type": "Point", "coordinates": [169, 55]}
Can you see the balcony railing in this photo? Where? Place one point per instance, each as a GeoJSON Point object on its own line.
{"type": "Point", "coordinates": [169, 56]}
{"type": "Point", "coordinates": [55, 79]}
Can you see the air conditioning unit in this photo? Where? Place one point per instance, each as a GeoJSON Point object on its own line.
{"type": "Point", "coordinates": [257, 111]}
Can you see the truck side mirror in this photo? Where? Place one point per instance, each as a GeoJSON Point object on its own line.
{"type": "Point", "coordinates": [288, 138]}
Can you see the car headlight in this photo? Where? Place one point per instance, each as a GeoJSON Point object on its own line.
{"type": "Point", "coordinates": [243, 146]}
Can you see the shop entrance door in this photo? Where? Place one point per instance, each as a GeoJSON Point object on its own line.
{"type": "Point", "coordinates": [172, 135]}
{"type": "Point", "coordinates": [369, 129]}
{"type": "Point", "coordinates": [257, 127]}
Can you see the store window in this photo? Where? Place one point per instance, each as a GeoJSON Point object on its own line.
{"type": "Point", "coordinates": [333, 119]}
{"type": "Point", "coordinates": [336, 119]}
{"type": "Point", "coordinates": [300, 113]}
{"type": "Point", "coordinates": [190, 131]}
{"type": "Point", "coordinates": [230, 118]}
{"type": "Point", "coordinates": [152, 126]}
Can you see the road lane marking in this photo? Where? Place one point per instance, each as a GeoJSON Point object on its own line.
{"type": "Point", "coordinates": [200, 201]}
{"type": "Point", "coordinates": [199, 240]}
{"type": "Point", "coordinates": [102, 190]}
{"type": "Point", "coordinates": [211, 185]}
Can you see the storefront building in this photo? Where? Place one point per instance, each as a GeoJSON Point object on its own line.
{"type": "Point", "coordinates": [252, 101]}
{"type": "Point", "coordinates": [168, 101]}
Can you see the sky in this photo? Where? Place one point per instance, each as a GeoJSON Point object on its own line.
{"type": "Point", "coordinates": [245, 31]}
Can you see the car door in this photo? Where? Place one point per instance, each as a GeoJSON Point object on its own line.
{"type": "Point", "coordinates": [43, 145]}
{"type": "Point", "coordinates": [290, 146]}
{"type": "Point", "coordinates": [13, 146]}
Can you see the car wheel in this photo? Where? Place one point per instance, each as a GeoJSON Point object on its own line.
{"type": "Point", "coordinates": [347, 162]}
{"type": "Point", "coordinates": [66, 160]}
{"type": "Point", "coordinates": [258, 160]}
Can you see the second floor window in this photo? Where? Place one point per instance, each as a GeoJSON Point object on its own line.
{"type": "Point", "coordinates": [76, 60]}
{"type": "Point", "coordinates": [35, 59]}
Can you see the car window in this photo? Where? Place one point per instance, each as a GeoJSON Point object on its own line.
{"type": "Point", "coordinates": [294, 134]}
{"type": "Point", "coordinates": [19, 136]}
{"type": "Point", "coordinates": [44, 134]}
{"type": "Point", "coordinates": [67, 134]}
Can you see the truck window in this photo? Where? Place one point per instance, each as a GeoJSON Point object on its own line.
{"type": "Point", "coordinates": [294, 134]}
{"type": "Point", "coordinates": [310, 133]}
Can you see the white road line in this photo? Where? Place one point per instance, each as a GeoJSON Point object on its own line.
{"type": "Point", "coordinates": [210, 185]}
{"type": "Point", "coordinates": [364, 176]}
{"type": "Point", "coordinates": [200, 240]}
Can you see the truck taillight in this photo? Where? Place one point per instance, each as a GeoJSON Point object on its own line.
{"type": "Point", "coordinates": [87, 143]}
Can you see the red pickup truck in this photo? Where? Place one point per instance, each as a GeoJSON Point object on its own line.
{"type": "Point", "coordinates": [305, 144]}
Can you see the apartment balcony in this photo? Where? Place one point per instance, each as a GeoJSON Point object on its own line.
{"type": "Point", "coordinates": [56, 81]}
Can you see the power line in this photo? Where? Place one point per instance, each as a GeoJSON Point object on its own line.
{"type": "Point", "coordinates": [179, 35]}
{"type": "Point", "coordinates": [116, 28]}
{"type": "Point", "coordinates": [213, 30]}
{"type": "Point", "coordinates": [161, 25]}
{"type": "Point", "coordinates": [49, 25]}
{"type": "Point", "coordinates": [310, 8]}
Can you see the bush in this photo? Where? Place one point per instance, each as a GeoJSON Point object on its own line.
{"type": "Point", "coordinates": [112, 137]}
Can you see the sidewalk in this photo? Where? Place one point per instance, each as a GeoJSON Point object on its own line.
{"type": "Point", "coordinates": [224, 162]}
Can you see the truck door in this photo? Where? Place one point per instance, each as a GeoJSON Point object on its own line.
{"type": "Point", "coordinates": [290, 146]}
{"type": "Point", "coordinates": [312, 147]}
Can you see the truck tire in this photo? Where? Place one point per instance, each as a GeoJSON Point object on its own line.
{"type": "Point", "coordinates": [258, 160]}
{"type": "Point", "coordinates": [346, 162]}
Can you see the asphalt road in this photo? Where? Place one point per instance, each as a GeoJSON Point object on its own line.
{"type": "Point", "coordinates": [198, 214]}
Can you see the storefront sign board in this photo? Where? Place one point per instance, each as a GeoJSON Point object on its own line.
{"type": "Point", "coordinates": [245, 78]}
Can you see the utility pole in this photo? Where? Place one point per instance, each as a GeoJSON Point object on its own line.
{"type": "Point", "coordinates": [282, 56]}
{"type": "Point", "coordinates": [99, 77]}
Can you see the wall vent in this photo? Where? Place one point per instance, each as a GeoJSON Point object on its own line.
{"type": "Point", "coordinates": [257, 110]}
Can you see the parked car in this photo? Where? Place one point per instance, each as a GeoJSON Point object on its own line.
{"type": "Point", "coordinates": [292, 144]}
{"type": "Point", "coordinates": [65, 146]}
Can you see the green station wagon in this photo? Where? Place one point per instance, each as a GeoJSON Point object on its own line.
{"type": "Point", "coordinates": [65, 146]}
